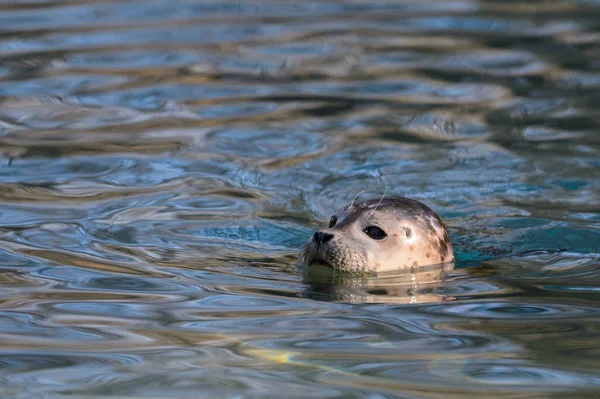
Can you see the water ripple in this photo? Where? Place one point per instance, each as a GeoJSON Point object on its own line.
{"type": "Point", "coordinates": [162, 163]}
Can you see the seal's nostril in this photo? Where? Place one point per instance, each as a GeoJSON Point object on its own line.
{"type": "Point", "coordinates": [320, 237]}
{"type": "Point", "coordinates": [317, 237]}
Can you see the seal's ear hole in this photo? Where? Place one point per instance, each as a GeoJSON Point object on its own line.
{"type": "Point", "coordinates": [408, 233]}
{"type": "Point", "coordinates": [332, 221]}
{"type": "Point", "coordinates": [375, 232]}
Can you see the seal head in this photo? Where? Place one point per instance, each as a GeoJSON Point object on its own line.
{"type": "Point", "coordinates": [379, 235]}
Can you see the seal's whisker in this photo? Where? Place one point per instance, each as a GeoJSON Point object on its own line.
{"type": "Point", "coordinates": [382, 197]}
{"type": "Point", "coordinates": [355, 197]}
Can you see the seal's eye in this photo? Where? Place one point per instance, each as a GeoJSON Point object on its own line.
{"type": "Point", "coordinates": [375, 232]}
{"type": "Point", "coordinates": [332, 221]}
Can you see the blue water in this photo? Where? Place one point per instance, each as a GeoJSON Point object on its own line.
{"type": "Point", "coordinates": [161, 164]}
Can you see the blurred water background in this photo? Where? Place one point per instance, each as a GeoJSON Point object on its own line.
{"type": "Point", "coordinates": [161, 163]}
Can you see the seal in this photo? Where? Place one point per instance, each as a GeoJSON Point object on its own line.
{"type": "Point", "coordinates": [379, 235]}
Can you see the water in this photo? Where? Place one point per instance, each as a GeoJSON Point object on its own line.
{"type": "Point", "coordinates": [163, 162]}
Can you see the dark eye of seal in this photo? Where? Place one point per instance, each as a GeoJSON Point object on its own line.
{"type": "Point", "coordinates": [332, 221]}
{"type": "Point", "coordinates": [375, 232]}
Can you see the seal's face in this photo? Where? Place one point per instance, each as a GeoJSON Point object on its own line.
{"type": "Point", "coordinates": [380, 235]}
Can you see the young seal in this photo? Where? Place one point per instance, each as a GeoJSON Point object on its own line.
{"type": "Point", "coordinates": [379, 235]}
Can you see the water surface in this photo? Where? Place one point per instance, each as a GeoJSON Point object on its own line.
{"type": "Point", "coordinates": [162, 162]}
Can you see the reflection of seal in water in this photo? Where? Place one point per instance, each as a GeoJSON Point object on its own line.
{"type": "Point", "coordinates": [412, 285]}
{"type": "Point", "coordinates": [380, 235]}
